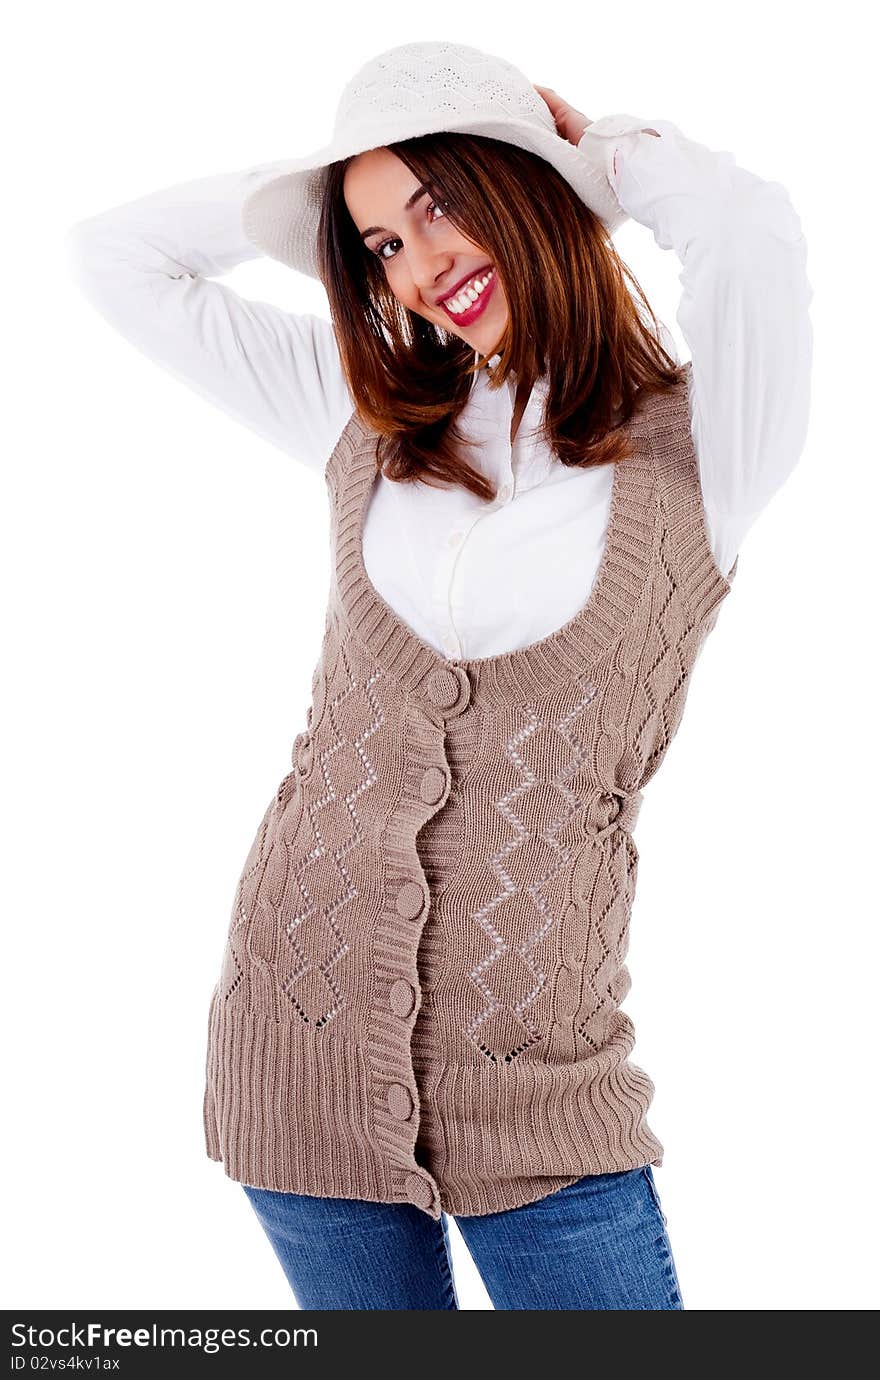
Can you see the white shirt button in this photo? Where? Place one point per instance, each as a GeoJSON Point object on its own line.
{"type": "Point", "coordinates": [450, 645]}
{"type": "Point", "coordinates": [505, 492]}
{"type": "Point", "coordinates": [456, 538]}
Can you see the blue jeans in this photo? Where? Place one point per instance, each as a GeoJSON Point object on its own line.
{"type": "Point", "coordinates": [598, 1243]}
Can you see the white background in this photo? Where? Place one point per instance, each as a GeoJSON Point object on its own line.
{"type": "Point", "coordinates": [165, 583]}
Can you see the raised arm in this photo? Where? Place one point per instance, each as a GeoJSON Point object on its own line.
{"type": "Point", "coordinates": [148, 267]}
{"type": "Point", "coordinates": [743, 311]}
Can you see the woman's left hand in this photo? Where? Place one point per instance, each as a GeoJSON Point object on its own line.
{"type": "Point", "coordinates": [570, 123]}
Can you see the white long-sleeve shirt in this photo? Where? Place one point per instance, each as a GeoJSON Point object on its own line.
{"type": "Point", "coordinates": [475, 579]}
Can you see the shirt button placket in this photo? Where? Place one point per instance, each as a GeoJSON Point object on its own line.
{"type": "Point", "coordinates": [450, 644]}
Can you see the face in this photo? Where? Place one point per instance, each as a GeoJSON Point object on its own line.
{"type": "Point", "coordinates": [423, 256]}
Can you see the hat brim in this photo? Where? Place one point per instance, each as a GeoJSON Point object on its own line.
{"type": "Point", "coordinates": [281, 217]}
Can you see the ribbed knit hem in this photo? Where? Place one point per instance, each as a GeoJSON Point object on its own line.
{"type": "Point", "coordinates": [282, 1110]}
{"type": "Point", "coordinates": [281, 1113]}
{"type": "Point", "coordinates": [587, 1117]}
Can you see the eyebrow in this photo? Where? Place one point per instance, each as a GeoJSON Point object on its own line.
{"type": "Point", "coordinates": [379, 229]}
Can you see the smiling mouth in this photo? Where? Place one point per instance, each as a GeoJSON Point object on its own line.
{"type": "Point", "coordinates": [464, 298]}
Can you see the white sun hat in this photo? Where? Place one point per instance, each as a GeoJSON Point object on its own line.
{"type": "Point", "coordinates": [414, 89]}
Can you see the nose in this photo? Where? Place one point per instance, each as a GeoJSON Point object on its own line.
{"type": "Point", "coordinates": [430, 269]}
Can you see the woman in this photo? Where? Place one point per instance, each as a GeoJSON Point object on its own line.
{"type": "Point", "coordinates": [535, 513]}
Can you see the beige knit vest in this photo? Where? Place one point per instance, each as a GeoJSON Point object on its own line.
{"type": "Point", "coordinates": [419, 999]}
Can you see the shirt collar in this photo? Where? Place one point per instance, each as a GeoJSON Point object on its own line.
{"type": "Point", "coordinates": [540, 383]}
{"type": "Point", "coordinates": [490, 362]}
{"type": "Point", "coordinates": [532, 461]}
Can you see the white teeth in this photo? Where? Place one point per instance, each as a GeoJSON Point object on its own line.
{"type": "Point", "coordinates": [468, 294]}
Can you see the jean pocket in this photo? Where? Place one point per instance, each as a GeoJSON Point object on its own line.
{"type": "Point", "coordinates": [648, 1176]}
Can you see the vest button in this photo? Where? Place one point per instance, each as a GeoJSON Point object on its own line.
{"type": "Point", "coordinates": [444, 688]}
{"type": "Point", "coordinates": [410, 900]}
{"type": "Point", "coordinates": [402, 998]}
{"type": "Point", "coordinates": [432, 785]}
{"type": "Point", "coordinates": [418, 1190]}
{"type": "Point", "coordinates": [400, 1103]}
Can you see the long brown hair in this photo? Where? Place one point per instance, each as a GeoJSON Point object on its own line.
{"type": "Point", "coordinates": [572, 317]}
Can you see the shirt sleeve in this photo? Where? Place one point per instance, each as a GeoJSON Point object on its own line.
{"type": "Point", "coordinates": [149, 268]}
{"type": "Point", "coordinates": [744, 308]}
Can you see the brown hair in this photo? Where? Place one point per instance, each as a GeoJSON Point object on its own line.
{"type": "Point", "coordinates": [572, 317]}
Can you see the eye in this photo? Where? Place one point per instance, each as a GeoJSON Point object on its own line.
{"type": "Point", "coordinates": [441, 206]}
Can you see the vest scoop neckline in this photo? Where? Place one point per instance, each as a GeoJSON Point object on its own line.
{"type": "Point", "coordinates": [564, 655]}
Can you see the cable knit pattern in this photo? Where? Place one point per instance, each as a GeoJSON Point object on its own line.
{"type": "Point", "coordinates": [420, 996]}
